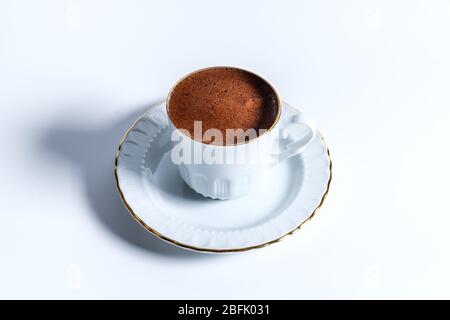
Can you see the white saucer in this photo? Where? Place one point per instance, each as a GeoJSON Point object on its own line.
{"type": "Point", "coordinates": [156, 196]}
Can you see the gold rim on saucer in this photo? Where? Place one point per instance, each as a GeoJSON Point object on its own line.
{"type": "Point", "coordinates": [208, 250]}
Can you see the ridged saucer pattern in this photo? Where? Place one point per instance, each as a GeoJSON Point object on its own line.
{"type": "Point", "coordinates": [154, 193]}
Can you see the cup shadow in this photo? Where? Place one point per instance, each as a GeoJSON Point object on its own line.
{"type": "Point", "coordinates": [92, 152]}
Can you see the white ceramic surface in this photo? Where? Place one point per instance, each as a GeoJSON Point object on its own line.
{"type": "Point", "coordinates": [222, 180]}
{"type": "Point", "coordinates": [152, 189]}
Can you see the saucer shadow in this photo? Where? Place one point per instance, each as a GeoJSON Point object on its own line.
{"type": "Point", "coordinates": [91, 151]}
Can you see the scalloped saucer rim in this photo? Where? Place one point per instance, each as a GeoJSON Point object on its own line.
{"type": "Point", "coordinates": [157, 198]}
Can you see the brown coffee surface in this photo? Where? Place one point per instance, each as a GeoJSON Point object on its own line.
{"type": "Point", "coordinates": [223, 98]}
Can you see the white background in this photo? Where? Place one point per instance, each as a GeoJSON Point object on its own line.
{"type": "Point", "coordinates": [374, 74]}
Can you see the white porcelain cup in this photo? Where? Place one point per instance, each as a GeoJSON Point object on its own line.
{"type": "Point", "coordinates": [230, 171]}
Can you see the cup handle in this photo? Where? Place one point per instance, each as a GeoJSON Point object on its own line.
{"type": "Point", "coordinates": [295, 134]}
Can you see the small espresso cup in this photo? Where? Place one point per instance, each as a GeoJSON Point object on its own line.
{"type": "Point", "coordinates": [230, 171]}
